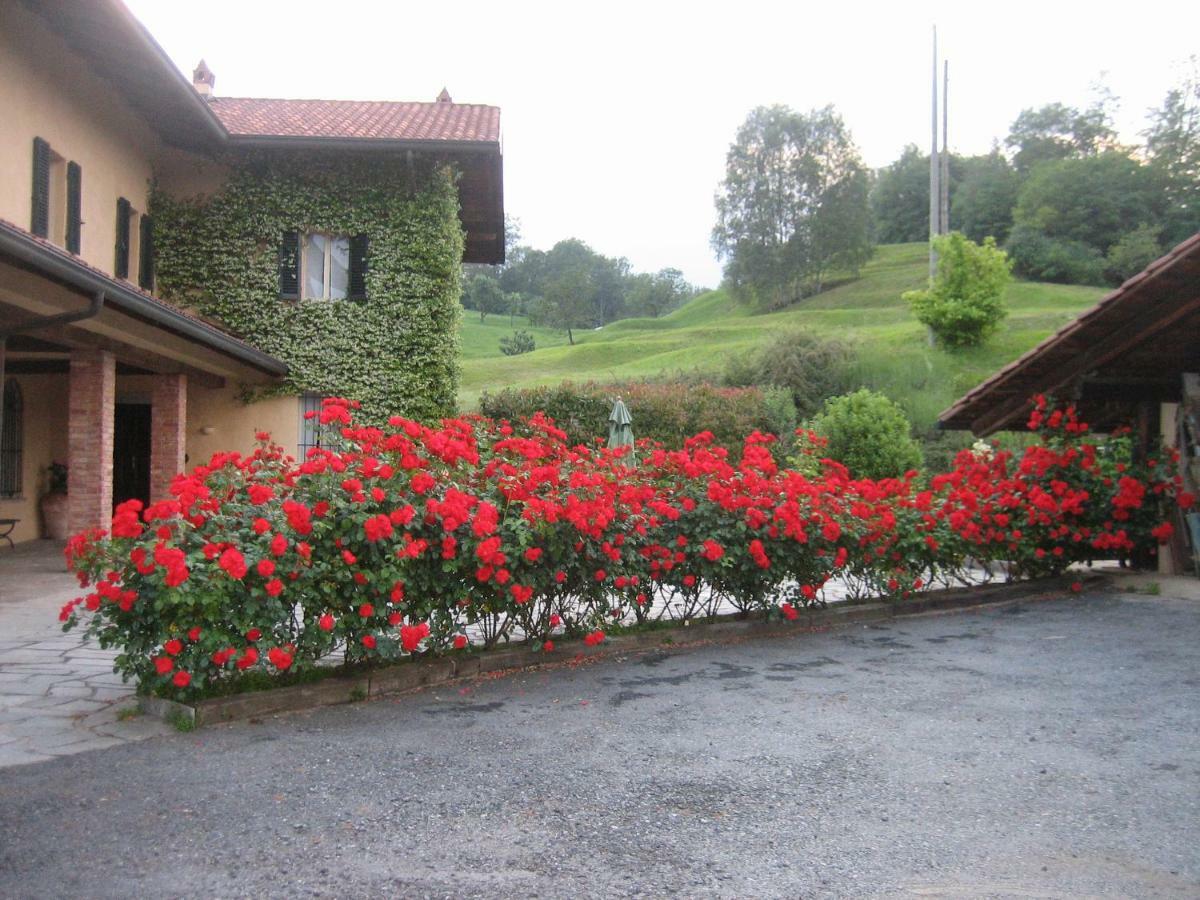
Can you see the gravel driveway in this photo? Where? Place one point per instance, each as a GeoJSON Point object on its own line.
{"type": "Point", "coordinates": [1038, 751]}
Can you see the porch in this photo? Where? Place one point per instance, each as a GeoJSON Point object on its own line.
{"type": "Point", "coordinates": [112, 382]}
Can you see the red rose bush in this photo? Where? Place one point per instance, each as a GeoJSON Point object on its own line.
{"type": "Point", "coordinates": [406, 540]}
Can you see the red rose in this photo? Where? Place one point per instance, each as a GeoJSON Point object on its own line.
{"type": "Point", "coordinates": [279, 658]}
{"type": "Point", "coordinates": [173, 646]}
{"type": "Point", "coordinates": [194, 634]}
{"type": "Point", "coordinates": [181, 679]}
{"type": "Point", "coordinates": [368, 641]}
{"type": "Point", "coordinates": [163, 664]}
{"type": "Point", "coordinates": [325, 623]}
{"type": "Point", "coordinates": [248, 658]}
{"type": "Point", "coordinates": [253, 634]}
{"type": "Point", "coordinates": [265, 567]}
{"type": "Point", "coordinates": [366, 610]}
{"type": "Point", "coordinates": [274, 587]}
{"type": "Point", "coordinates": [233, 563]}
{"type": "Point", "coordinates": [460, 641]}
{"type": "Point", "coordinates": [548, 646]}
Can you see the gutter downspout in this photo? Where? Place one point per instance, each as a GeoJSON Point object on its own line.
{"type": "Point", "coordinates": [93, 310]}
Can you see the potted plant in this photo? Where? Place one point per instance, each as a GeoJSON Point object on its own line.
{"type": "Point", "coordinates": [54, 502]}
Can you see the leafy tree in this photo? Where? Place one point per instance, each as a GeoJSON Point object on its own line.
{"type": "Point", "coordinates": [793, 205]}
{"type": "Point", "coordinates": [1041, 258]}
{"type": "Point", "coordinates": [482, 293]}
{"type": "Point", "coordinates": [657, 294]}
{"type": "Point", "coordinates": [1132, 253]}
{"type": "Point", "coordinates": [900, 199]}
{"type": "Point", "coordinates": [964, 306]}
{"type": "Point", "coordinates": [1056, 132]}
{"type": "Point", "coordinates": [868, 434]}
{"type": "Point", "coordinates": [1173, 148]}
{"type": "Point", "coordinates": [1093, 200]}
{"type": "Point", "coordinates": [981, 204]}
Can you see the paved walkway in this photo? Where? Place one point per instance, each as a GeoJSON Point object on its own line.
{"type": "Point", "coordinates": [58, 693]}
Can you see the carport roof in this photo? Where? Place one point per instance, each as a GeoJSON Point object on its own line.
{"type": "Point", "coordinates": [1131, 347]}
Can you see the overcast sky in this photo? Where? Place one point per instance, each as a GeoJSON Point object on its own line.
{"type": "Point", "coordinates": [616, 116]}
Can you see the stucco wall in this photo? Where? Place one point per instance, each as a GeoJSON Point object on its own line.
{"type": "Point", "coordinates": [231, 424]}
{"type": "Point", "coordinates": [46, 91]}
{"type": "Point", "coordinates": [44, 423]}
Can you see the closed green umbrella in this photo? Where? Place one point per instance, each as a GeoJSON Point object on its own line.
{"type": "Point", "coordinates": [620, 426]}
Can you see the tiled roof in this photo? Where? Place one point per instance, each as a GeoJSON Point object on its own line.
{"type": "Point", "coordinates": [358, 120]}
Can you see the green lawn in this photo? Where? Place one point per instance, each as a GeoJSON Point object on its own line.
{"type": "Point", "coordinates": [894, 355]}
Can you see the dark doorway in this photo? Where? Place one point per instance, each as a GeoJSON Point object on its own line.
{"type": "Point", "coordinates": [131, 452]}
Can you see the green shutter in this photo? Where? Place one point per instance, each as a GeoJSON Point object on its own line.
{"type": "Point", "coordinates": [146, 257]}
{"type": "Point", "coordinates": [289, 266]}
{"type": "Point", "coordinates": [358, 267]}
{"type": "Point", "coordinates": [121, 266]}
{"type": "Point", "coordinates": [39, 217]}
{"type": "Point", "coordinates": [74, 206]}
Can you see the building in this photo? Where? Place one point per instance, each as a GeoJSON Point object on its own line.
{"type": "Point", "coordinates": [129, 347]}
{"type": "Point", "coordinates": [1132, 360]}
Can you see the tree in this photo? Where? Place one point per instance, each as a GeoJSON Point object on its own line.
{"type": "Point", "coordinates": [964, 306]}
{"type": "Point", "coordinates": [900, 199]}
{"type": "Point", "coordinates": [1173, 148]}
{"type": "Point", "coordinates": [868, 434]}
{"type": "Point", "coordinates": [482, 293]}
{"type": "Point", "coordinates": [1094, 200]}
{"type": "Point", "coordinates": [657, 294]}
{"type": "Point", "coordinates": [1057, 132]}
{"type": "Point", "coordinates": [1132, 253]}
{"type": "Point", "coordinates": [516, 344]}
{"type": "Point", "coordinates": [981, 205]}
{"type": "Point", "coordinates": [793, 205]}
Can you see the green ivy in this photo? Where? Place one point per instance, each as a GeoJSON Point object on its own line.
{"type": "Point", "coordinates": [396, 352]}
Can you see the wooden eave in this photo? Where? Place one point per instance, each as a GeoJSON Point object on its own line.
{"type": "Point", "coordinates": [1131, 347]}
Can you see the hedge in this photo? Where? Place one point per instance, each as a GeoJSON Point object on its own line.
{"type": "Point", "coordinates": [415, 540]}
{"type": "Point", "coordinates": [668, 413]}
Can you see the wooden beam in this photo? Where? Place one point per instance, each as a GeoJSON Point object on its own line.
{"type": "Point", "coordinates": [78, 339]}
{"type": "Point", "coordinates": [1088, 360]}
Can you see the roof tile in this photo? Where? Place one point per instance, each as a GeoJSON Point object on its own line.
{"type": "Point", "coordinates": [358, 119]}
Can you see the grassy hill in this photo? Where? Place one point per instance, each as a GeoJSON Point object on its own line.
{"type": "Point", "coordinates": [894, 356]}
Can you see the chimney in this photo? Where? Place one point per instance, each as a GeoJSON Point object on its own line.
{"type": "Point", "coordinates": [203, 80]}
{"type": "Point", "coordinates": [444, 97]}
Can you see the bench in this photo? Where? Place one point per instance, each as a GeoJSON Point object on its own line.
{"type": "Point", "coordinates": [6, 529]}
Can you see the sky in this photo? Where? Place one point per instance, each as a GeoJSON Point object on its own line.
{"type": "Point", "coordinates": [617, 116]}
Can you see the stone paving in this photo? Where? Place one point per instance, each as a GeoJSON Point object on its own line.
{"type": "Point", "coordinates": [58, 694]}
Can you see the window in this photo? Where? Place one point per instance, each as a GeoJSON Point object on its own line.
{"type": "Point", "coordinates": [125, 216]}
{"type": "Point", "coordinates": [11, 433]}
{"type": "Point", "coordinates": [319, 266]}
{"type": "Point", "coordinates": [325, 267]}
{"type": "Point", "coordinates": [55, 212]}
{"type": "Point", "coordinates": [310, 426]}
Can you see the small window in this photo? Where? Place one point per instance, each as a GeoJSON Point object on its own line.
{"type": "Point", "coordinates": [325, 260]}
{"type": "Point", "coordinates": [11, 435]}
{"type": "Point", "coordinates": [310, 425]}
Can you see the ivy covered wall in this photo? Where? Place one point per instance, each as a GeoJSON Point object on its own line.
{"type": "Point", "coordinates": [396, 351]}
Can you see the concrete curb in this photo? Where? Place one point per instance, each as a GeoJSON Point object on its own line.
{"type": "Point", "coordinates": [425, 672]}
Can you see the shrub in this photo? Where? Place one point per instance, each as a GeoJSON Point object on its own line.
{"type": "Point", "coordinates": [1132, 253]}
{"type": "Point", "coordinates": [869, 434]}
{"type": "Point", "coordinates": [516, 344]}
{"type": "Point", "coordinates": [1040, 258]}
{"type": "Point", "coordinates": [394, 544]}
{"type": "Point", "coordinates": [811, 368]}
{"type": "Point", "coordinates": [964, 305]}
{"type": "Point", "coordinates": [668, 413]}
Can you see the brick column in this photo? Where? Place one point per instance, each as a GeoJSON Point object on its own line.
{"type": "Point", "coordinates": [168, 433]}
{"type": "Point", "coordinates": [92, 398]}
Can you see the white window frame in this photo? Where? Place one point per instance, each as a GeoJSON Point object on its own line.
{"type": "Point", "coordinates": [327, 287]}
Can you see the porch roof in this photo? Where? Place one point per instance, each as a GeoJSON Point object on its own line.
{"type": "Point", "coordinates": [31, 253]}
